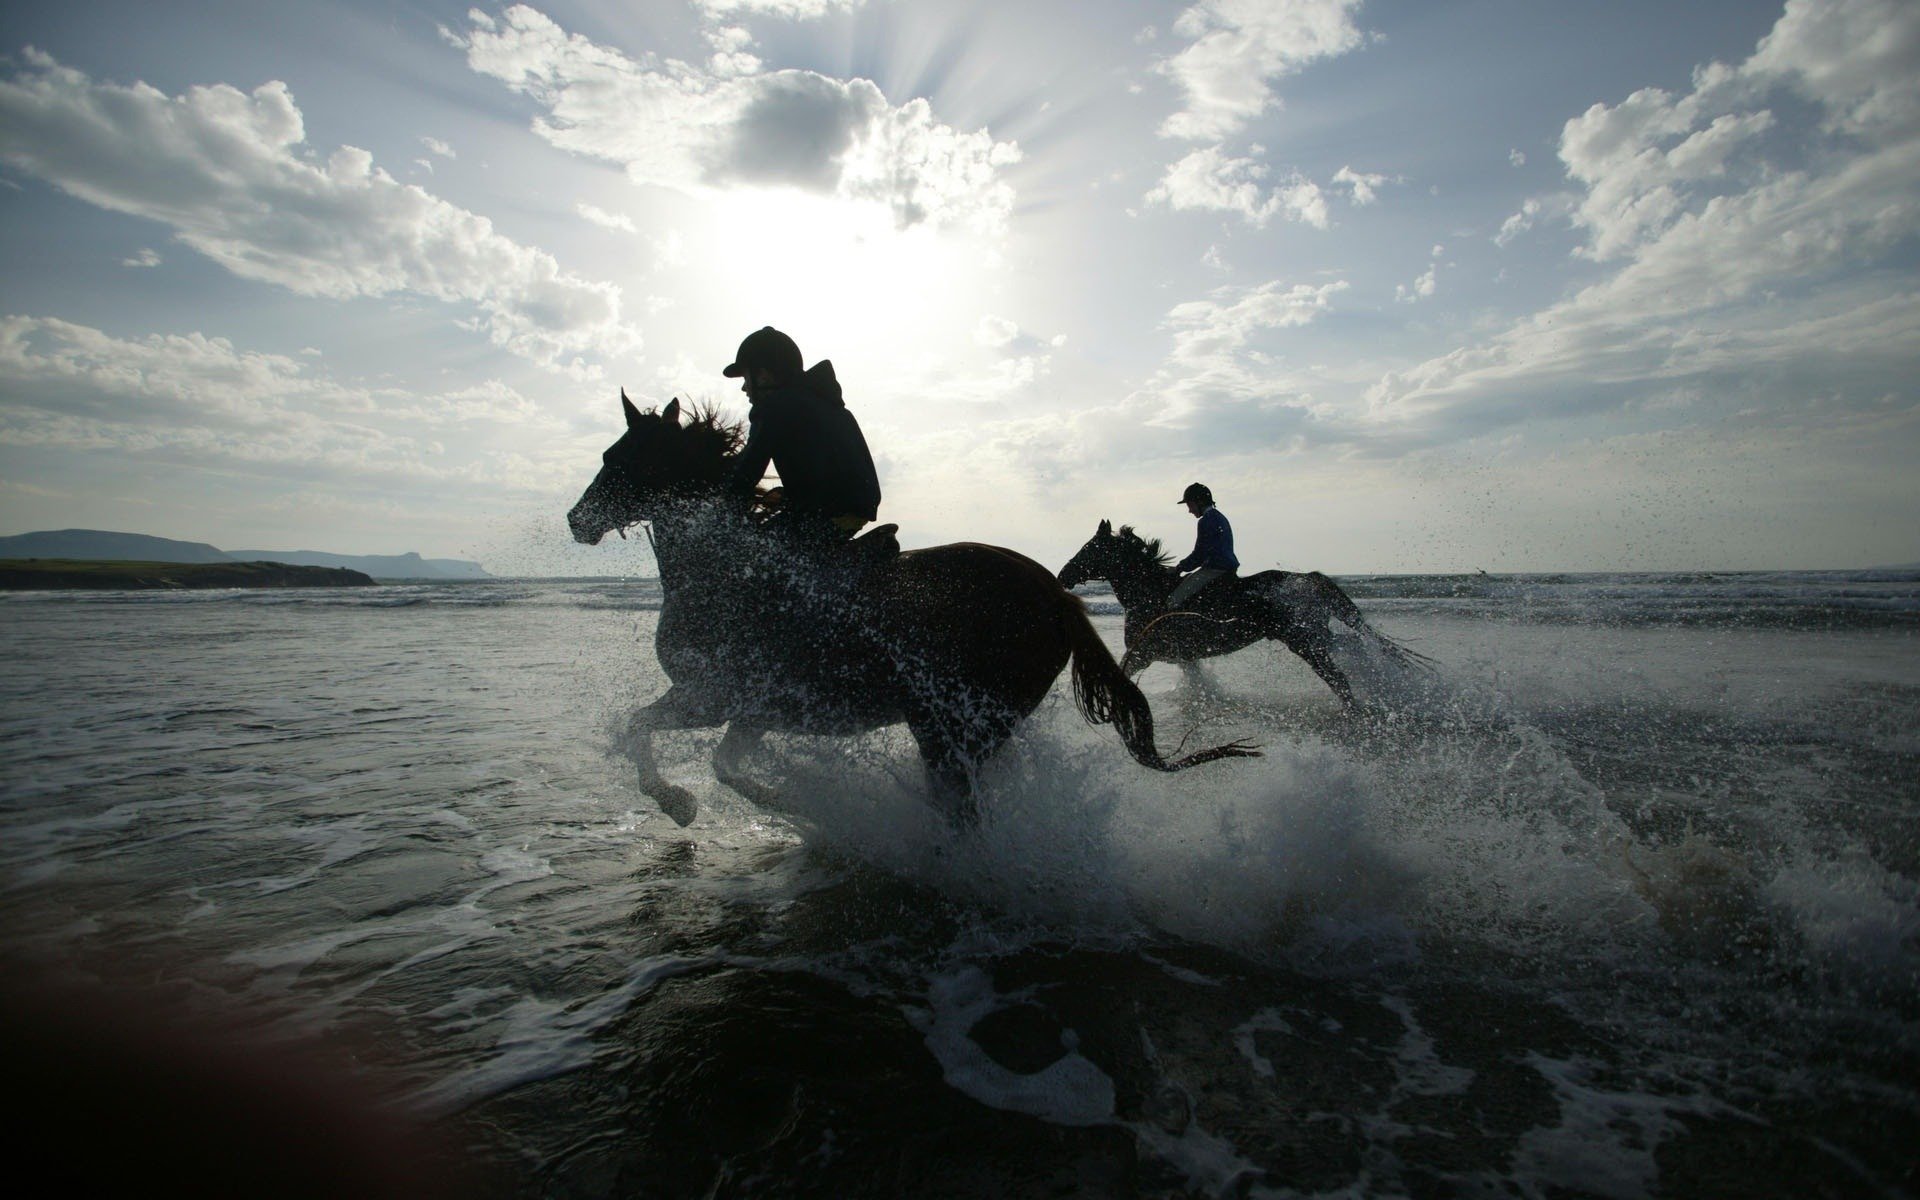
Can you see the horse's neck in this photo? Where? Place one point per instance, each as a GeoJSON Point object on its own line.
{"type": "Point", "coordinates": [689, 543]}
{"type": "Point", "coordinates": [1142, 584]}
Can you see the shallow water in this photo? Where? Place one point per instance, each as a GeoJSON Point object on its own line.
{"type": "Point", "coordinates": [1625, 901]}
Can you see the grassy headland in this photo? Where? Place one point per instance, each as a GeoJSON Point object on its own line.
{"type": "Point", "coordinates": [47, 574]}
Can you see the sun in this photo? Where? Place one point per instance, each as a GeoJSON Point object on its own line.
{"type": "Point", "coordinates": [842, 274]}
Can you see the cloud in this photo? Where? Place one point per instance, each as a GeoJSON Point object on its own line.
{"type": "Point", "coordinates": [1239, 47]}
{"type": "Point", "coordinates": [228, 172]}
{"type": "Point", "coordinates": [1517, 158]}
{"type": "Point", "coordinates": [732, 51]}
{"type": "Point", "coordinates": [605, 219]}
{"type": "Point", "coordinates": [1362, 187]}
{"type": "Point", "coordinates": [1423, 287]}
{"type": "Point", "coordinates": [1207, 331]}
{"type": "Point", "coordinates": [146, 256]}
{"type": "Point", "coordinates": [995, 332]}
{"type": "Point", "coordinates": [1221, 390]}
{"type": "Point", "coordinates": [793, 10]}
{"type": "Point", "coordinates": [1859, 59]}
{"type": "Point", "coordinates": [1005, 336]}
{"type": "Point", "coordinates": [1735, 218]}
{"type": "Point", "coordinates": [1519, 222]}
{"type": "Point", "coordinates": [674, 125]}
{"type": "Point", "coordinates": [199, 400]}
{"type": "Point", "coordinates": [437, 147]}
{"type": "Point", "coordinates": [1209, 179]}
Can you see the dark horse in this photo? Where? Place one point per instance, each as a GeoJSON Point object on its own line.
{"type": "Point", "coordinates": [761, 633]}
{"type": "Point", "coordinates": [1295, 608]}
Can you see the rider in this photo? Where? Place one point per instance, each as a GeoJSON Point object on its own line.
{"type": "Point", "coordinates": [797, 421]}
{"type": "Point", "coordinates": [1212, 554]}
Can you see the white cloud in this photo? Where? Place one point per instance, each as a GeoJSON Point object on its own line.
{"type": "Point", "coordinates": [794, 10]}
{"type": "Point", "coordinates": [146, 256]}
{"type": "Point", "coordinates": [437, 147]}
{"type": "Point", "coordinates": [1363, 187]}
{"type": "Point", "coordinates": [200, 400]}
{"type": "Point", "coordinates": [995, 332]}
{"type": "Point", "coordinates": [1209, 179]}
{"type": "Point", "coordinates": [1517, 158]}
{"type": "Point", "coordinates": [1239, 47]}
{"type": "Point", "coordinates": [1419, 289]}
{"type": "Point", "coordinates": [1533, 210]}
{"type": "Point", "coordinates": [675, 125]}
{"type": "Point", "coordinates": [227, 171]}
{"type": "Point", "coordinates": [732, 51]}
{"type": "Point", "coordinates": [670, 249]}
{"type": "Point", "coordinates": [1223, 390]}
{"type": "Point", "coordinates": [1859, 59]}
{"type": "Point", "coordinates": [1636, 187]}
{"type": "Point", "coordinates": [1733, 229]}
{"type": "Point", "coordinates": [1204, 330]}
{"type": "Point", "coordinates": [1008, 338]}
{"type": "Point", "coordinates": [1519, 222]}
{"type": "Point", "coordinates": [605, 219]}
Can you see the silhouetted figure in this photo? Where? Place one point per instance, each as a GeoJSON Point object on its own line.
{"type": "Point", "coordinates": [1212, 555]}
{"type": "Point", "coordinates": [799, 422]}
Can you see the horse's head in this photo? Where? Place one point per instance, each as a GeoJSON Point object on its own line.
{"type": "Point", "coordinates": [1094, 560]}
{"type": "Point", "coordinates": [657, 457]}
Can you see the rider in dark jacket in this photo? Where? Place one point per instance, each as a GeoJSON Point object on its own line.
{"type": "Point", "coordinates": [799, 423]}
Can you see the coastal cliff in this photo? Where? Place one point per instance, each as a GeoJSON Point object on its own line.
{"type": "Point", "coordinates": [48, 574]}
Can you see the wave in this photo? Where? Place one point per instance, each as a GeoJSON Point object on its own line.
{"type": "Point", "coordinates": [1770, 599]}
{"type": "Point", "coordinates": [1758, 599]}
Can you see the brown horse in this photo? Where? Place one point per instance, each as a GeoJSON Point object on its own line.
{"type": "Point", "coordinates": [761, 633]}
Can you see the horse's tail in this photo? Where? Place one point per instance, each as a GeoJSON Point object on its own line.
{"type": "Point", "coordinates": [1107, 697]}
{"type": "Point", "coordinates": [1349, 613]}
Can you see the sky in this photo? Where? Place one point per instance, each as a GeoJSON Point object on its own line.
{"type": "Point", "coordinates": [1502, 285]}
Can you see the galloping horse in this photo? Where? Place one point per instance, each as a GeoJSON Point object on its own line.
{"type": "Point", "coordinates": [959, 641]}
{"type": "Point", "coordinates": [1296, 609]}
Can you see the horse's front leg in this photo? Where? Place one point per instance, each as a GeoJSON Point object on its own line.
{"type": "Point", "coordinates": [741, 738]}
{"type": "Point", "coordinates": [663, 714]}
{"type": "Point", "coordinates": [1196, 680]}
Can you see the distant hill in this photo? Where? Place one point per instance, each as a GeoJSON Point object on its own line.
{"type": "Point", "coordinates": [95, 544]}
{"type": "Point", "coordinates": [380, 566]}
{"type": "Point", "coordinates": [66, 574]}
{"type": "Point", "coordinates": [98, 543]}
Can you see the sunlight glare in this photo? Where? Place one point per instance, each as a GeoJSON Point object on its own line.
{"type": "Point", "coordinates": [838, 274]}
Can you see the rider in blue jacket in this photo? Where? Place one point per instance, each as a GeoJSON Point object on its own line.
{"type": "Point", "coordinates": [1212, 555]}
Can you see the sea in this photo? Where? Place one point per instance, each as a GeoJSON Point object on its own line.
{"type": "Point", "coordinates": [1620, 899]}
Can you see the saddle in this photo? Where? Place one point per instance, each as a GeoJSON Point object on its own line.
{"type": "Point", "coordinates": [876, 547]}
{"type": "Point", "coordinates": [1215, 600]}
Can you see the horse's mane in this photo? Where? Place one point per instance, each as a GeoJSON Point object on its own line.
{"type": "Point", "coordinates": [1149, 550]}
{"type": "Point", "coordinates": [706, 430]}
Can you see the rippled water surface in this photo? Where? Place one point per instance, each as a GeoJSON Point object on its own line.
{"type": "Point", "coordinates": [1625, 901]}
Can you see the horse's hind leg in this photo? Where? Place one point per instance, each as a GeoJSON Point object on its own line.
{"type": "Point", "coordinates": [727, 768]}
{"type": "Point", "coordinates": [953, 749]}
{"type": "Point", "coordinates": [1316, 651]}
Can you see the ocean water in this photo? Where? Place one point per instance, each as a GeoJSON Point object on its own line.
{"type": "Point", "coordinates": [1622, 900]}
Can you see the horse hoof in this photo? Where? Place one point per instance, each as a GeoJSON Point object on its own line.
{"type": "Point", "coordinates": [680, 805]}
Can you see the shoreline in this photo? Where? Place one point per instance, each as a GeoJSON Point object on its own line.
{"type": "Point", "coordinates": [72, 574]}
